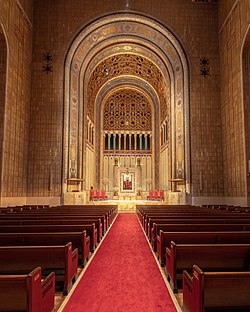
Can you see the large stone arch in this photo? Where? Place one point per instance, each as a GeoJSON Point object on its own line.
{"type": "Point", "coordinates": [109, 88]}
{"type": "Point", "coordinates": [149, 35]}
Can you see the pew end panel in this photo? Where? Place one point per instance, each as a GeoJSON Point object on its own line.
{"type": "Point", "coordinates": [71, 263]}
{"type": "Point", "coordinates": [86, 248]}
{"type": "Point", "coordinates": [210, 257]}
{"type": "Point", "coordinates": [34, 281]}
{"type": "Point", "coordinates": [171, 266]}
{"type": "Point", "coordinates": [56, 258]}
{"type": "Point", "coordinates": [27, 292]}
{"type": "Point", "coordinates": [216, 291]}
{"type": "Point", "coordinates": [48, 293]}
{"type": "Point", "coordinates": [187, 282]}
{"type": "Point", "coordinates": [160, 249]}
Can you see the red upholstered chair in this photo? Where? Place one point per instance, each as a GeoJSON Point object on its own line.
{"type": "Point", "coordinates": [161, 195]}
{"type": "Point", "coordinates": [155, 195]}
{"type": "Point", "coordinates": [150, 195]}
{"type": "Point", "coordinates": [92, 195]}
{"type": "Point", "coordinates": [97, 195]}
{"type": "Point", "coordinates": [103, 195]}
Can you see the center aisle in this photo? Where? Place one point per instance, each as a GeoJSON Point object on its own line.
{"type": "Point", "coordinates": [123, 275]}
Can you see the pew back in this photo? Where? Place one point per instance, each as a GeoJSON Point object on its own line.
{"type": "Point", "coordinates": [210, 257]}
{"type": "Point", "coordinates": [216, 291]}
{"type": "Point", "coordinates": [27, 292]}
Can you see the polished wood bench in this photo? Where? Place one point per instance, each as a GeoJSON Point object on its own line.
{"type": "Point", "coordinates": [79, 240]}
{"type": "Point", "coordinates": [89, 228]}
{"type": "Point", "coordinates": [27, 292]}
{"type": "Point", "coordinates": [142, 210]}
{"type": "Point", "coordinates": [216, 291]}
{"type": "Point", "coordinates": [171, 209]}
{"type": "Point", "coordinates": [56, 221]}
{"type": "Point", "coordinates": [209, 257]}
{"type": "Point", "coordinates": [59, 259]}
{"type": "Point", "coordinates": [194, 227]}
{"type": "Point", "coordinates": [191, 216]}
{"type": "Point", "coordinates": [100, 221]}
{"type": "Point", "coordinates": [154, 225]}
{"type": "Point", "coordinates": [217, 237]}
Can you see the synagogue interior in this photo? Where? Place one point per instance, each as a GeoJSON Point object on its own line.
{"type": "Point", "coordinates": [149, 93]}
{"type": "Point", "coordinates": [121, 106]}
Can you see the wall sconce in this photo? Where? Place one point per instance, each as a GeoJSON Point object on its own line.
{"type": "Point", "coordinates": [201, 181]}
{"type": "Point", "coordinates": [204, 67]}
{"type": "Point", "coordinates": [47, 67]}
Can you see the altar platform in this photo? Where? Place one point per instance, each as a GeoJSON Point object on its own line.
{"type": "Point", "coordinates": [127, 205]}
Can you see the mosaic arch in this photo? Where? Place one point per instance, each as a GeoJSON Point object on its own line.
{"type": "Point", "coordinates": [116, 86]}
{"type": "Point", "coordinates": [132, 69]}
{"type": "Point", "coordinates": [148, 37]}
{"type": "Point", "coordinates": [127, 61]}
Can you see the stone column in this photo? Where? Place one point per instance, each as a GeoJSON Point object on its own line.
{"type": "Point", "coordinates": [114, 141]}
{"type": "Point", "coordinates": [119, 142]}
{"type": "Point", "coordinates": [115, 174]}
{"type": "Point", "coordinates": [139, 175]}
{"type": "Point", "coordinates": [146, 141]}
{"type": "Point", "coordinates": [108, 141]}
{"type": "Point", "coordinates": [140, 142]}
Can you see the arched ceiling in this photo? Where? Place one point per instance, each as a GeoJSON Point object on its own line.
{"type": "Point", "coordinates": [128, 65]}
{"type": "Point", "coordinates": [110, 41]}
{"type": "Point", "coordinates": [127, 109]}
{"type": "Point", "coordinates": [128, 60]}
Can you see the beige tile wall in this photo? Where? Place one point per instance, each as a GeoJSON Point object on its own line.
{"type": "Point", "coordinates": [56, 23]}
{"type": "Point", "coordinates": [246, 99]}
{"type": "Point", "coordinates": [232, 36]}
{"type": "Point", "coordinates": [3, 65]}
{"type": "Point", "coordinates": [17, 105]}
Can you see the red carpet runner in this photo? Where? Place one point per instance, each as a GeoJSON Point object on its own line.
{"type": "Point", "coordinates": [123, 275]}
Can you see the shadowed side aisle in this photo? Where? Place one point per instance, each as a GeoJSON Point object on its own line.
{"type": "Point", "coordinates": [123, 275]}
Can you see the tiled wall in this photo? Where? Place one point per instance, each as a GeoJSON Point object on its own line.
{"type": "Point", "coordinates": [56, 23]}
{"type": "Point", "coordinates": [246, 99]}
{"type": "Point", "coordinates": [18, 28]}
{"type": "Point", "coordinates": [3, 64]}
{"type": "Point", "coordinates": [232, 35]}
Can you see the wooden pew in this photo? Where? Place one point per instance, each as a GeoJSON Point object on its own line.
{"type": "Point", "coordinates": [155, 225]}
{"type": "Point", "coordinates": [210, 257]}
{"type": "Point", "coordinates": [100, 221]}
{"type": "Point", "coordinates": [189, 215]}
{"type": "Point", "coordinates": [202, 227]}
{"type": "Point", "coordinates": [27, 292]}
{"type": "Point", "coordinates": [142, 210]}
{"type": "Point", "coordinates": [57, 215]}
{"type": "Point", "coordinates": [89, 228]}
{"type": "Point", "coordinates": [218, 237]}
{"type": "Point", "coordinates": [55, 221]}
{"type": "Point", "coordinates": [216, 291]}
{"type": "Point", "coordinates": [79, 240]}
{"type": "Point", "coordinates": [161, 238]}
{"type": "Point", "coordinates": [109, 210]}
{"type": "Point", "coordinates": [59, 259]}
{"type": "Point", "coordinates": [9, 209]}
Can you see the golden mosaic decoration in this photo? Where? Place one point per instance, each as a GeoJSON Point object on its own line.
{"type": "Point", "coordinates": [127, 110]}
{"type": "Point", "coordinates": [128, 65]}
